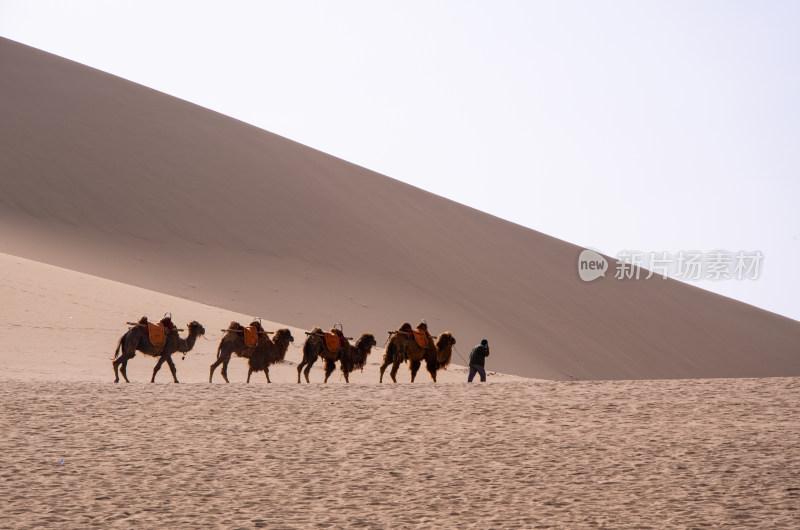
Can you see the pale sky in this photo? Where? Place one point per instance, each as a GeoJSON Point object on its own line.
{"type": "Point", "coordinates": [641, 125]}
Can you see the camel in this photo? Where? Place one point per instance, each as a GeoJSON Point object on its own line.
{"type": "Point", "coordinates": [232, 342]}
{"type": "Point", "coordinates": [402, 347]}
{"type": "Point", "coordinates": [351, 358]}
{"type": "Point", "coordinates": [313, 347]}
{"type": "Point", "coordinates": [137, 339]}
{"type": "Point", "coordinates": [269, 352]}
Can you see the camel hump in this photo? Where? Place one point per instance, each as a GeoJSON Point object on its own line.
{"type": "Point", "coordinates": [250, 336]}
{"type": "Point", "coordinates": [157, 335]}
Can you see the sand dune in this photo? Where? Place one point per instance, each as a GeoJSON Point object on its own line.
{"type": "Point", "coordinates": [106, 177]}
{"type": "Point", "coordinates": [57, 324]}
{"type": "Point", "coordinates": [639, 454]}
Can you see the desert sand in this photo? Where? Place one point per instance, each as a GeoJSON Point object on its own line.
{"type": "Point", "coordinates": [107, 177]}
{"type": "Point", "coordinates": [637, 454]}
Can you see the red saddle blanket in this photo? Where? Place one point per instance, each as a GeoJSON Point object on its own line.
{"type": "Point", "coordinates": [157, 335]}
{"type": "Point", "coordinates": [421, 337]}
{"type": "Point", "coordinates": [331, 342]}
{"type": "Point", "coordinates": [250, 336]}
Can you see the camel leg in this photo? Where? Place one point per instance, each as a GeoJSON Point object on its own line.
{"type": "Point", "coordinates": [330, 366]}
{"type": "Point", "coordinates": [123, 368]}
{"type": "Point", "coordinates": [213, 367]}
{"type": "Point", "coordinates": [115, 363]}
{"type": "Point", "coordinates": [249, 371]}
{"type": "Point", "coordinates": [308, 369]}
{"type": "Point", "coordinates": [224, 371]}
{"type": "Point", "coordinates": [119, 364]}
{"type": "Point", "coordinates": [414, 369]}
{"type": "Point", "coordinates": [346, 376]}
{"type": "Point", "coordinates": [299, 369]}
{"type": "Point", "coordinates": [395, 368]}
{"type": "Point", "coordinates": [157, 368]}
{"type": "Point", "coordinates": [172, 368]}
{"type": "Point", "coordinates": [386, 363]}
{"type": "Point", "coordinates": [431, 367]}
{"type": "Point", "coordinates": [266, 373]}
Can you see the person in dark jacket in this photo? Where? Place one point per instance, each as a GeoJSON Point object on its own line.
{"type": "Point", "coordinates": [477, 360]}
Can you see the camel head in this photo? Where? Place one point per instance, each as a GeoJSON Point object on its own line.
{"type": "Point", "coordinates": [446, 340]}
{"type": "Point", "coordinates": [196, 328]}
{"type": "Point", "coordinates": [283, 335]}
{"type": "Point", "coordinates": [366, 341]}
{"type": "Point", "coordinates": [444, 347]}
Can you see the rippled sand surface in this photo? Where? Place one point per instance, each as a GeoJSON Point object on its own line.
{"type": "Point", "coordinates": [645, 454]}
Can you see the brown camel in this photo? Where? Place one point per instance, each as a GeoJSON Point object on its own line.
{"type": "Point", "coordinates": [269, 352]}
{"type": "Point", "coordinates": [313, 347]}
{"type": "Point", "coordinates": [402, 347]}
{"type": "Point", "coordinates": [233, 342]}
{"type": "Point", "coordinates": [137, 339]}
{"type": "Point", "coordinates": [351, 358]}
{"type": "Point", "coordinates": [397, 350]}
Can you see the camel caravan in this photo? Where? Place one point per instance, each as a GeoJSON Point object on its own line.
{"type": "Point", "coordinates": [263, 348]}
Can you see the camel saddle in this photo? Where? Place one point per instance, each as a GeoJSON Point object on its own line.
{"type": "Point", "coordinates": [422, 338]}
{"type": "Point", "coordinates": [331, 342]}
{"type": "Point", "coordinates": [250, 336]}
{"type": "Point", "coordinates": [157, 335]}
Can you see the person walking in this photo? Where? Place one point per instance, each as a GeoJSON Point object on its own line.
{"type": "Point", "coordinates": [477, 360]}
